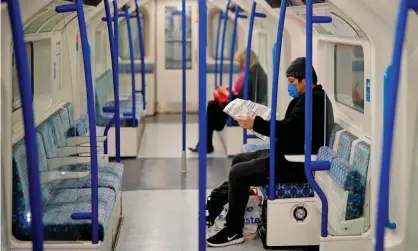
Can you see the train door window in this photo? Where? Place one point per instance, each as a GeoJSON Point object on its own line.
{"type": "Point", "coordinates": [123, 38]}
{"type": "Point", "coordinates": [173, 38]}
{"type": "Point", "coordinates": [214, 19]}
{"type": "Point", "coordinates": [349, 76]}
{"type": "Point", "coordinates": [16, 100]}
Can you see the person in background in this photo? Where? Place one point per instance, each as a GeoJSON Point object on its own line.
{"type": "Point", "coordinates": [257, 87]}
{"type": "Point", "coordinates": [252, 168]}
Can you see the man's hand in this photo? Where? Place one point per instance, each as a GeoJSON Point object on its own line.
{"type": "Point", "coordinates": [245, 121]}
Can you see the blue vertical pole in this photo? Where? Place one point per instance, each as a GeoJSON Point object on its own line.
{"type": "Point", "coordinates": [247, 59]}
{"type": "Point", "coordinates": [202, 123]}
{"type": "Point", "coordinates": [389, 122]}
{"type": "Point", "coordinates": [276, 65]}
{"type": "Point", "coordinates": [142, 52]}
{"type": "Point", "coordinates": [231, 59]}
{"type": "Point", "coordinates": [132, 59]}
{"type": "Point", "coordinates": [78, 6]}
{"type": "Point", "coordinates": [221, 66]}
{"type": "Point", "coordinates": [115, 73]}
{"type": "Point", "coordinates": [390, 225]}
{"type": "Point", "coordinates": [115, 68]}
{"type": "Point", "coordinates": [217, 48]}
{"type": "Point", "coordinates": [183, 104]}
{"type": "Point", "coordinates": [309, 165]}
{"type": "Point", "coordinates": [92, 122]}
{"type": "Point", "coordinates": [25, 89]}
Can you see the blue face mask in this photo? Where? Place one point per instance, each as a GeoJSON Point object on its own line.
{"type": "Point", "coordinates": [293, 92]}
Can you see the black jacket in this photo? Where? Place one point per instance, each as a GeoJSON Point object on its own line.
{"type": "Point", "coordinates": [290, 132]}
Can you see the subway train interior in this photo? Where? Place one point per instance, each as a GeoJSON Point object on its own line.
{"type": "Point", "coordinates": [141, 125]}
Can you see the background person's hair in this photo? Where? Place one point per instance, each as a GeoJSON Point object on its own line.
{"type": "Point", "coordinates": [240, 57]}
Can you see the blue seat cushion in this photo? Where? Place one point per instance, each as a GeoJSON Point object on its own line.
{"type": "Point", "coordinates": [112, 167]}
{"type": "Point", "coordinates": [290, 191]}
{"type": "Point", "coordinates": [58, 225]}
{"type": "Point", "coordinates": [106, 179]}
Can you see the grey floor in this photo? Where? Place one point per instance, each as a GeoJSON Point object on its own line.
{"type": "Point", "coordinates": [159, 201]}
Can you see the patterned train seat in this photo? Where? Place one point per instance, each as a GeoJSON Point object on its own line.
{"type": "Point", "coordinates": [110, 174]}
{"type": "Point", "coordinates": [349, 182]}
{"type": "Point", "coordinates": [58, 205]}
{"type": "Point", "coordinates": [344, 144]}
{"type": "Point", "coordinates": [302, 190]}
{"type": "Point", "coordinates": [103, 94]}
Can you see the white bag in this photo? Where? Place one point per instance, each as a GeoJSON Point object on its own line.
{"type": "Point", "coordinates": [251, 219]}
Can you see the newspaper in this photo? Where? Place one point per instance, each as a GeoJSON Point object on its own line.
{"type": "Point", "coordinates": [239, 107]}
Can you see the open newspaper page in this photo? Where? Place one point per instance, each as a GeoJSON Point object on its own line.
{"type": "Point", "coordinates": [246, 107]}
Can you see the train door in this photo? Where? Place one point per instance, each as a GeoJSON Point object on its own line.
{"type": "Point", "coordinates": [169, 56]}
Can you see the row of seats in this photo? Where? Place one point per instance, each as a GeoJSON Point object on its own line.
{"type": "Point", "coordinates": [65, 182]}
{"type": "Point", "coordinates": [104, 99]}
{"type": "Point", "coordinates": [344, 184]}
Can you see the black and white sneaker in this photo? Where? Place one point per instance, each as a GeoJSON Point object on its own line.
{"type": "Point", "coordinates": [225, 238]}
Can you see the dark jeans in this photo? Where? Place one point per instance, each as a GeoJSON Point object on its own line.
{"type": "Point", "coordinates": [216, 120]}
{"type": "Point", "coordinates": [251, 169]}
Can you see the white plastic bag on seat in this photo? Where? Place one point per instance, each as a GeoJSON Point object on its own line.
{"type": "Point", "coordinates": [252, 217]}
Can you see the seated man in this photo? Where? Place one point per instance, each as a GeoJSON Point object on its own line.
{"type": "Point", "coordinates": [252, 169]}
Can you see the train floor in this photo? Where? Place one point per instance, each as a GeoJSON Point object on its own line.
{"type": "Point", "coordinates": [159, 202]}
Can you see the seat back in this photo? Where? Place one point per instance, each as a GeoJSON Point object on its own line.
{"type": "Point", "coordinates": [46, 133]}
{"type": "Point", "coordinates": [20, 205]}
{"type": "Point", "coordinates": [58, 130]}
{"type": "Point", "coordinates": [334, 131]}
{"type": "Point", "coordinates": [65, 120]}
{"type": "Point", "coordinates": [70, 109]}
{"type": "Point", "coordinates": [103, 90]}
{"type": "Point", "coordinates": [345, 142]}
{"type": "Point", "coordinates": [347, 189]}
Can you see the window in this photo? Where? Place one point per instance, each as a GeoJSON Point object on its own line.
{"type": "Point", "coordinates": [123, 37]}
{"type": "Point", "coordinates": [16, 100]}
{"type": "Point", "coordinates": [173, 38]}
{"type": "Point", "coordinates": [228, 36]}
{"type": "Point", "coordinates": [349, 76]}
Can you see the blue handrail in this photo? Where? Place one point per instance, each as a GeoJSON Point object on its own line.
{"type": "Point", "coordinates": [25, 88]}
{"type": "Point", "coordinates": [310, 165]}
{"type": "Point", "coordinates": [390, 225]}
{"type": "Point", "coordinates": [276, 65]}
{"type": "Point", "coordinates": [142, 52]}
{"type": "Point", "coordinates": [94, 215]}
{"type": "Point", "coordinates": [221, 64]}
{"type": "Point", "coordinates": [232, 53]}
{"type": "Point", "coordinates": [116, 117]}
{"type": "Point", "coordinates": [184, 69]}
{"type": "Point", "coordinates": [389, 121]}
{"type": "Point", "coordinates": [253, 15]}
{"type": "Point", "coordinates": [217, 47]}
{"type": "Point", "coordinates": [132, 59]}
{"type": "Point", "coordinates": [202, 123]}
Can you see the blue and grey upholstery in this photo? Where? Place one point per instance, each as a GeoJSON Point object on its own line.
{"type": "Point", "coordinates": [110, 174]}
{"type": "Point", "coordinates": [58, 205]}
{"type": "Point", "coordinates": [104, 98]}
{"type": "Point", "coordinates": [352, 178]}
